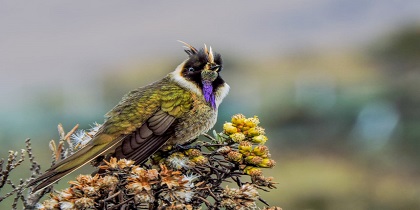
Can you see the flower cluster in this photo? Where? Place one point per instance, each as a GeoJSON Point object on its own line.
{"type": "Point", "coordinates": [135, 185]}
{"type": "Point", "coordinates": [178, 177]}
{"type": "Point", "coordinates": [181, 159]}
{"type": "Point", "coordinates": [242, 198]}
{"type": "Point", "coordinates": [246, 133]}
{"type": "Point", "coordinates": [245, 129]}
{"type": "Point", "coordinates": [82, 194]}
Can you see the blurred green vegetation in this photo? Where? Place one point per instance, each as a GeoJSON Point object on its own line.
{"type": "Point", "coordinates": [343, 126]}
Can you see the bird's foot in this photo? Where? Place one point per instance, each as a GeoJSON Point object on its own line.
{"type": "Point", "coordinates": [186, 146]}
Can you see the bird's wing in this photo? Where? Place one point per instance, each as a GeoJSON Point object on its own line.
{"type": "Point", "coordinates": [147, 139]}
{"type": "Point", "coordinates": [139, 144]}
{"type": "Point", "coordinates": [128, 125]}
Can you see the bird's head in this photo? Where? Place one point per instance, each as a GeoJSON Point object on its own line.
{"type": "Point", "coordinates": [201, 74]}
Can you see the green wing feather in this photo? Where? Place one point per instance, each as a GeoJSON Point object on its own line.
{"type": "Point", "coordinates": [134, 129]}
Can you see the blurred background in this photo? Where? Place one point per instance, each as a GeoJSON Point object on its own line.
{"type": "Point", "coordinates": [334, 82]}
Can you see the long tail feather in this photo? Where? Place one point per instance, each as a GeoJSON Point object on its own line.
{"type": "Point", "coordinates": [48, 179]}
{"type": "Point", "coordinates": [72, 163]}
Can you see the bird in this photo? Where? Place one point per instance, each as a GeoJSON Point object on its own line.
{"type": "Point", "coordinates": [171, 111]}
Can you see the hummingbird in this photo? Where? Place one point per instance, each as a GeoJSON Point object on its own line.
{"type": "Point", "coordinates": [171, 111]}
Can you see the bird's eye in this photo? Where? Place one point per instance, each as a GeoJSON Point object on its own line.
{"type": "Point", "coordinates": [191, 69]}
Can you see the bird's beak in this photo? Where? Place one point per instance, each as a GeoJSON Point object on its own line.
{"type": "Point", "coordinates": [209, 75]}
{"type": "Point", "coordinates": [215, 68]}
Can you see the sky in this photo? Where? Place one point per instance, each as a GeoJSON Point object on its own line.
{"type": "Point", "coordinates": [70, 45]}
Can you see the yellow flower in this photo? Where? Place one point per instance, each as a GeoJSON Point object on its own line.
{"type": "Point", "coordinates": [255, 160]}
{"type": "Point", "coordinates": [255, 131]}
{"type": "Point", "coordinates": [260, 139]}
{"type": "Point", "coordinates": [200, 160]}
{"type": "Point", "coordinates": [252, 171]}
{"type": "Point", "coordinates": [238, 119]}
{"type": "Point", "coordinates": [261, 151]}
{"type": "Point", "coordinates": [252, 122]}
{"type": "Point", "coordinates": [267, 163]}
{"type": "Point", "coordinates": [245, 147]}
{"type": "Point", "coordinates": [237, 137]}
{"type": "Point", "coordinates": [193, 152]}
{"type": "Point", "coordinates": [228, 128]}
{"type": "Point", "coordinates": [167, 148]}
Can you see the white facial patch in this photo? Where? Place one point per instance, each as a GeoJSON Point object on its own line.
{"type": "Point", "coordinates": [176, 75]}
{"type": "Point", "coordinates": [178, 78]}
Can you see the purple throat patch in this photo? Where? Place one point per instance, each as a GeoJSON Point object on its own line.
{"type": "Point", "coordinates": [208, 93]}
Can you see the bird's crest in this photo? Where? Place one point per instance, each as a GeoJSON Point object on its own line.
{"type": "Point", "coordinates": [190, 50]}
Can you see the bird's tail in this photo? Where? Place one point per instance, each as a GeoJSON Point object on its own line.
{"type": "Point", "coordinates": [47, 179]}
{"type": "Point", "coordinates": [72, 163]}
{"type": "Point", "coordinates": [61, 169]}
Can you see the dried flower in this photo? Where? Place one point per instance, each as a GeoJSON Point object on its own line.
{"type": "Point", "coordinates": [243, 198]}
{"type": "Point", "coordinates": [49, 204]}
{"type": "Point", "coordinates": [235, 156]}
{"type": "Point", "coordinates": [272, 208]}
{"type": "Point", "coordinates": [123, 163]}
{"type": "Point", "coordinates": [108, 182]}
{"type": "Point", "coordinates": [170, 178]}
{"type": "Point", "coordinates": [141, 179]}
{"type": "Point", "coordinates": [178, 161]}
{"type": "Point", "coordinates": [80, 138]}
{"type": "Point", "coordinates": [143, 197]}
{"type": "Point", "coordinates": [190, 178]}
{"type": "Point", "coordinates": [66, 205]}
{"type": "Point", "coordinates": [84, 203]}
{"type": "Point", "coordinates": [263, 181]}
{"type": "Point", "coordinates": [90, 191]}
{"type": "Point", "coordinates": [224, 150]}
{"type": "Point", "coordinates": [112, 164]}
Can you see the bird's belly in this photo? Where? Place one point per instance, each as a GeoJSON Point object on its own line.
{"type": "Point", "coordinates": [199, 120]}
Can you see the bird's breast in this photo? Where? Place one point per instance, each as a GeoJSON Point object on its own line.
{"type": "Point", "coordinates": [200, 119]}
